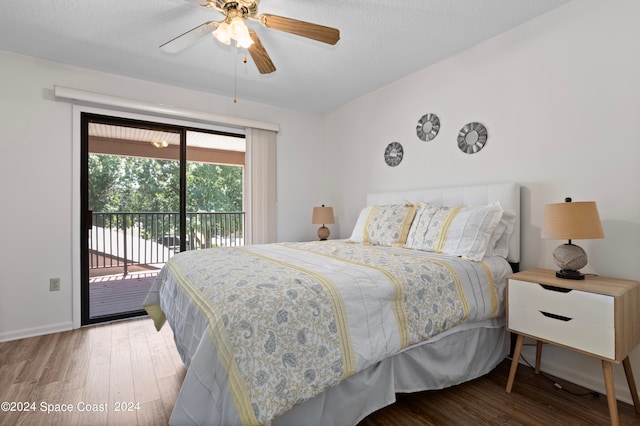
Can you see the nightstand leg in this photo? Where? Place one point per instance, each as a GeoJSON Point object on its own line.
{"type": "Point", "coordinates": [611, 392]}
{"type": "Point", "coordinates": [538, 355]}
{"type": "Point", "coordinates": [514, 362]}
{"type": "Point", "coordinates": [632, 383]}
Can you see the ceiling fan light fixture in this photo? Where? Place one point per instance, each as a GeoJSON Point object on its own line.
{"type": "Point", "coordinates": [240, 32]}
{"type": "Point", "coordinates": [233, 29]}
{"type": "Point", "coordinates": [160, 144]}
{"type": "Point", "coordinates": [223, 33]}
{"type": "Point", "coordinates": [243, 41]}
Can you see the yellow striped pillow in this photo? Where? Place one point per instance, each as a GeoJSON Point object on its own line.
{"type": "Point", "coordinates": [463, 231]}
{"type": "Point", "coordinates": [386, 225]}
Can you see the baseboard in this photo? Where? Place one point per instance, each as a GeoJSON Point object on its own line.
{"type": "Point", "coordinates": [579, 369]}
{"type": "Point", "coordinates": [36, 331]}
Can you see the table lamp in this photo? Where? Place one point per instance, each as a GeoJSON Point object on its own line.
{"type": "Point", "coordinates": [571, 221]}
{"type": "Point", "coordinates": [321, 216]}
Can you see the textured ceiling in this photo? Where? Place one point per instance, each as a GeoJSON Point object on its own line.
{"type": "Point", "coordinates": [381, 41]}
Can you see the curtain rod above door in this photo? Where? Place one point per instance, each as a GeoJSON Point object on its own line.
{"type": "Point", "coordinates": [84, 96]}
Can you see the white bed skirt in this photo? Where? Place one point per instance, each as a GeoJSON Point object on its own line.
{"type": "Point", "coordinates": [462, 354]}
{"type": "Point", "coordinates": [459, 355]}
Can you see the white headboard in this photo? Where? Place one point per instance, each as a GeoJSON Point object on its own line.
{"type": "Point", "coordinates": [507, 193]}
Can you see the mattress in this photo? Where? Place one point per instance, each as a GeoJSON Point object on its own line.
{"type": "Point", "coordinates": [367, 322]}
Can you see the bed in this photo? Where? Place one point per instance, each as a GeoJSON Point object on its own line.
{"type": "Point", "coordinates": [327, 332]}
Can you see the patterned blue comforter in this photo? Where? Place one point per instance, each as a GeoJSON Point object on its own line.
{"type": "Point", "coordinates": [288, 321]}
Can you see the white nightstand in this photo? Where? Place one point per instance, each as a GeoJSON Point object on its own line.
{"type": "Point", "coordinates": [597, 316]}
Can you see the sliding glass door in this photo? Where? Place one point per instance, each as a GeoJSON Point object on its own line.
{"type": "Point", "coordinates": [150, 190]}
{"type": "Point", "coordinates": [214, 190]}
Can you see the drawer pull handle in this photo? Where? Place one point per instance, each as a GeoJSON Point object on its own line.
{"type": "Point", "coordinates": [554, 316]}
{"type": "Point", "coordinates": [554, 288]}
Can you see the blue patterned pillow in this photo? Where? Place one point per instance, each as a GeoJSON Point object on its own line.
{"type": "Point", "coordinates": [384, 225]}
{"type": "Point", "coordinates": [424, 215]}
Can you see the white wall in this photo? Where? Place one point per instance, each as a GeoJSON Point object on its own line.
{"type": "Point", "coordinates": [560, 97]}
{"type": "Point", "coordinates": [36, 180]}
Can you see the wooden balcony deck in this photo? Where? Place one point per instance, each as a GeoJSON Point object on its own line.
{"type": "Point", "coordinates": [117, 293]}
{"type": "Point", "coordinates": [142, 242]}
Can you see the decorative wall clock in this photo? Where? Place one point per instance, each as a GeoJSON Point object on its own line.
{"type": "Point", "coordinates": [393, 154]}
{"type": "Point", "coordinates": [472, 138]}
{"type": "Point", "coordinates": [428, 127]}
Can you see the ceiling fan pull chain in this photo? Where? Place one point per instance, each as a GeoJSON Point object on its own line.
{"type": "Point", "coordinates": [235, 77]}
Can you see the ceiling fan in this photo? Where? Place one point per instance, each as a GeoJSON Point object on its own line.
{"type": "Point", "coordinates": [234, 27]}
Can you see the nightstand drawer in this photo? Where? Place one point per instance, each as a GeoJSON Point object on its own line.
{"type": "Point", "coordinates": [592, 308]}
{"type": "Point", "coordinates": [598, 316]}
{"type": "Point", "coordinates": [567, 331]}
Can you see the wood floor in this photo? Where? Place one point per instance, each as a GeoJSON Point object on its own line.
{"type": "Point", "coordinates": [101, 368]}
{"type": "Point", "coordinates": [534, 401]}
{"type": "Point", "coordinates": [129, 366]}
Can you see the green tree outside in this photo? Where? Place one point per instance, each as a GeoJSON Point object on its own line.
{"type": "Point", "coordinates": [134, 184]}
{"type": "Point", "coordinates": [120, 184]}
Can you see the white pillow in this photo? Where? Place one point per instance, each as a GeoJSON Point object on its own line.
{"type": "Point", "coordinates": [384, 225]}
{"type": "Point", "coordinates": [357, 235]}
{"type": "Point", "coordinates": [499, 242]}
{"type": "Point", "coordinates": [463, 231]}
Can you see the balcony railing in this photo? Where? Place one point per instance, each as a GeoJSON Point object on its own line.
{"type": "Point", "coordinates": [119, 240]}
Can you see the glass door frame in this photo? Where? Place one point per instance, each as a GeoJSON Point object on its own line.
{"type": "Point", "coordinates": [85, 221]}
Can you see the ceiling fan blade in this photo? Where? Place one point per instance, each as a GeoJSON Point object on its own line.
{"type": "Point", "coordinates": [260, 55]}
{"type": "Point", "coordinates": [189, 38]}
{"type": "Point", "coordinates": [301, 28]}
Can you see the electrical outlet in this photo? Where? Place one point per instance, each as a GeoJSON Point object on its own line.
{"type": "Point", "coordinates": [54, 284]}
